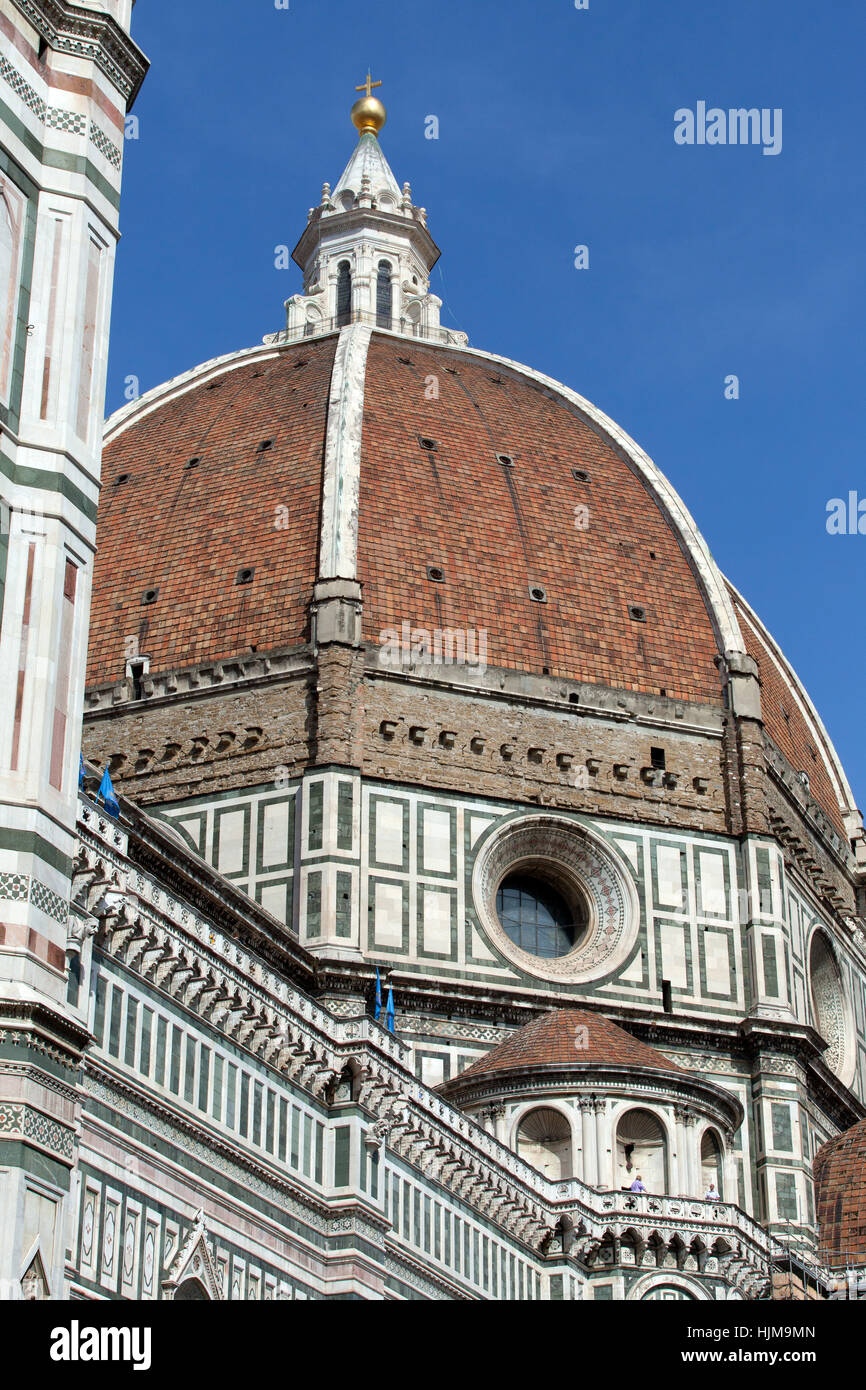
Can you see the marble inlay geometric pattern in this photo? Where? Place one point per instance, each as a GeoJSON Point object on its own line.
{"type": "Point", "coordinates": [20, 888]}
{"type": "Point", "coordinates": [105, 146]}
{"type": "Point", "coordinates": [20, 1121]}
{"type": "Point", "coordinates": [57, 117]}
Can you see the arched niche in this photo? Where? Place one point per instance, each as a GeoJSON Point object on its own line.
{"type": "Point", "coordinates": [191, 1289]}
{"type": "Point", "coordinates": [544, 1140]}
{"type": "Point", "coordinates": [641, 1151]}
{"type": "Point", "coordinates": [712, 1172]}
{"type": "Point", "coordinates": [412, 319]}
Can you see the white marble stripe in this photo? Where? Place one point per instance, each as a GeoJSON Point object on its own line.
{"type": "Point", "coordinates": [338, 552]}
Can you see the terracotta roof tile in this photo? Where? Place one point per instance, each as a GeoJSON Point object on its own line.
{"type": "Point", "coordinates": [188, 531]}
{"type": "Point", "coordinates": [840, 1197]}
{"type": "Point", "coordinates": [497, 530]}
{"type": "Point", "coordinates": [568, 1038]}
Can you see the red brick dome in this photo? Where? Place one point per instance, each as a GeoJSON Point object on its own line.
{"type": "Point", "coordinates": [567, 1039]}
{"type": "Point", "coordinates": [840, 1197]}
{"type": "Point", "coordinates": [496, 530]}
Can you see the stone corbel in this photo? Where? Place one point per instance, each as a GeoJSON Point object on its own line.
{"type": "Point", "coordinates": [323, 1077]}
{"type": "Point", "coordinates": [152, 955]}
{"type": "Point", "coordinates": [166, 970]}
{"type": "Point", "coordinates": [336, 612]}
{"type": "Point", "coordinates": [80, 931]}
{"type": "Point", "coordinates": [240, 1014]}
{"type": "Point", "coordinates": [248, 1029]}
{"type": "Point", "coordinates": [136, 942]}
{"type": "Point", "coordinates": [194, 988]}
{"type": "Point", "coordinates": [744, 685]}
{"type": "Point", "coordinates": [214, 994]}
{"type": "Point", "coordinates": [377, 1136]}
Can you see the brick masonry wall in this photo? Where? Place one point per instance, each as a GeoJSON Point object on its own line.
{"type": "Point", "coordinates": [333, 714]}
{"type": "Point", "coordinates": [210, 743]}
{"type": "Point", "coordinates": [425, 720]}
{"type": "Point", "coordinates": [803, 848]}
{"type": "Point", "coordinates": [786, 725]}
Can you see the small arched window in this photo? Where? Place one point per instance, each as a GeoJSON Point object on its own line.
{"type": "Point", "coordinates": [384, 295]}
{"type": "Point", "coordinates": [344, 294]}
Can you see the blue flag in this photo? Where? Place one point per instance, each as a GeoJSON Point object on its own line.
{"type": "Point", "coordinates": [82, 770]}
{"type": "Point", "coordinates": [106, 795]}
{"type": "Point", "coordinates": [389, 1012]}
{"type": "Point", "coordinates": [378, 1009]}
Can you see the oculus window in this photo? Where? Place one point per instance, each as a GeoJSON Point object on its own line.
{"type": "Point", "coordinates": [538, 917]}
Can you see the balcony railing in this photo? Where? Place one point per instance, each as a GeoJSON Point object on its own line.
{"type": "Point", "coordinates": [403, 327]}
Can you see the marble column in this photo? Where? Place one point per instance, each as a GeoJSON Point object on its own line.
{"type": "Point", "coordinates": [678, 1178]}
{"type": "Point", "coordinates": [602, 1139]}
{"type": "Point", "coordinates": [588, 1144]}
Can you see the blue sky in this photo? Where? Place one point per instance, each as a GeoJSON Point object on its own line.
{"type": "Point", "coordinates": [557, 129]}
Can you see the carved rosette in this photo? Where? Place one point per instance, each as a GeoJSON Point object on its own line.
{"type": "Point", "coordinates": [570, 855]}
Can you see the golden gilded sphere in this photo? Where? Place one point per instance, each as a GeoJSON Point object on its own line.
{"type": "Point", "coordinates": [369, 114]}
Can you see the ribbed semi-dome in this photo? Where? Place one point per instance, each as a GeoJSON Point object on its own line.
{"type": "Point", "coordinates": [840, 1197]}
{"type": "Point", "coordinates": [567, 1039]}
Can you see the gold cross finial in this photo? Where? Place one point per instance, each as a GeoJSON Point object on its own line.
{"type": "Point", "coordinates": [368, 85]}
{"type": "Point", "coordinates": [368, 113]}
